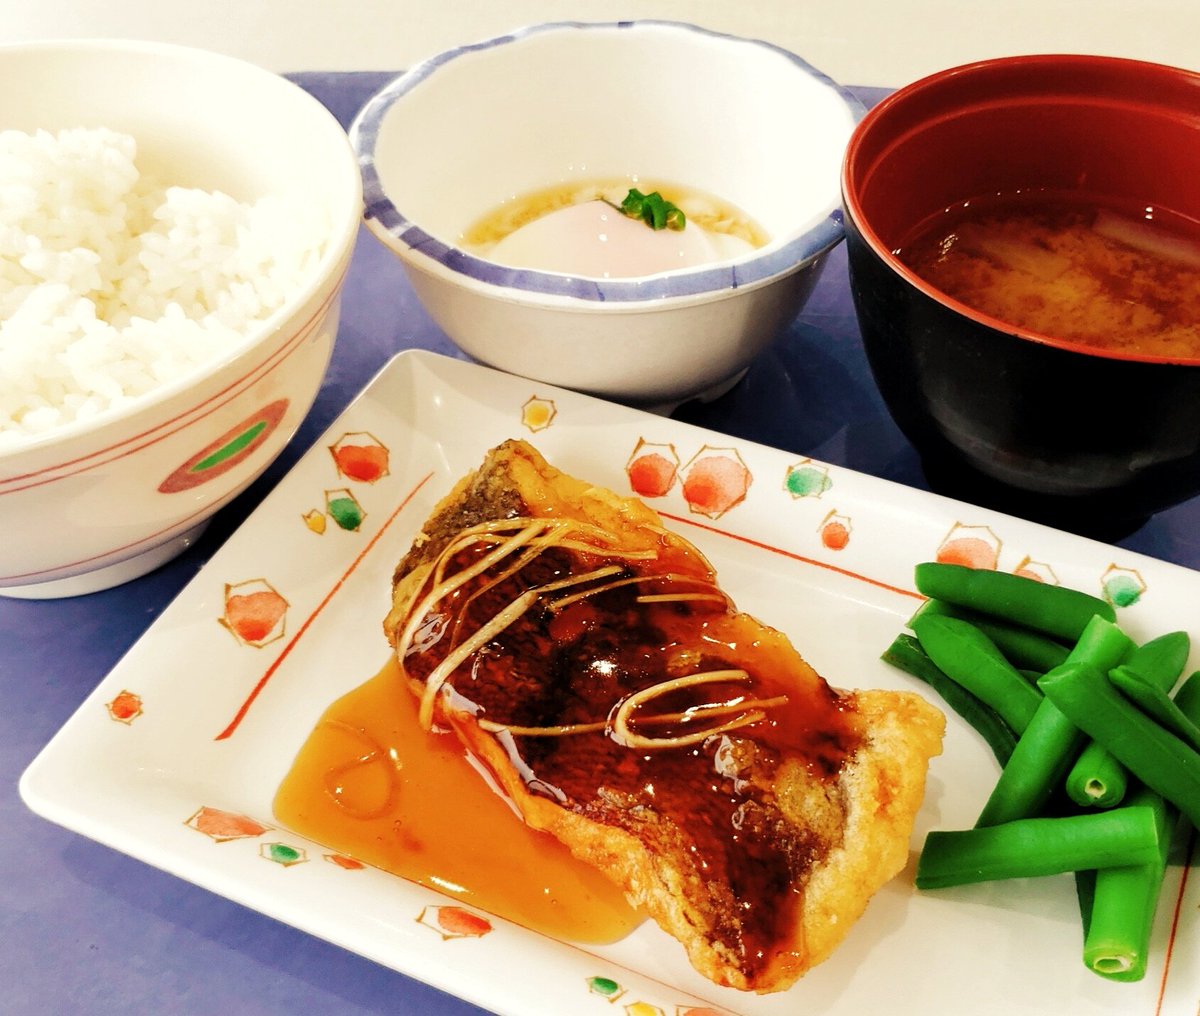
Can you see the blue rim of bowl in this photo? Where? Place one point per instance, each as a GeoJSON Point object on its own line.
{"type": "Point", "coordinates": [364, 133]}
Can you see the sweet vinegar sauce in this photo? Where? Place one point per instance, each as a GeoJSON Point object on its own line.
{"type": "Point", "coordinates": [371, 783]}
{"type": "Point", "coordinates": [374, 783]}
{"type": "Point", "coordinates": [1069, 266]}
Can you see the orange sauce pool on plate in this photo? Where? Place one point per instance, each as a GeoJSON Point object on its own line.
{"type": "Point", "coordinates": [371, 783]}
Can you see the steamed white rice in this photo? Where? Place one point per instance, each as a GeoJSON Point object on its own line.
{"type": "Point", "coordinates": [112, 284]}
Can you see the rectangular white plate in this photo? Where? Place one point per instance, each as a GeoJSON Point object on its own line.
{"type": "Point", "coordinates": [200, 721]}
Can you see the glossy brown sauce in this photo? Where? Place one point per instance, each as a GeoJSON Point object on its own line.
{"type": "Point", "coordinates": [574, 665]}
{"type": "Point", "coordinates": [370, 783]}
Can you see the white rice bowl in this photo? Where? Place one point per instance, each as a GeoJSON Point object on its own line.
{"type": "Point", "coordinates": [113, 283]}
{"type": "Point", "coordinates": [168, 308]}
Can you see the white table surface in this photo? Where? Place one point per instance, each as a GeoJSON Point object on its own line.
{"type": "Point", "coordinates": [863, 42]}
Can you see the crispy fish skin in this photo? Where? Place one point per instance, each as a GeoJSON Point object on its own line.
{"type": "Point", "coordinates": [855, 825]}
{"type": "Point", "coordinates": [515, 481]}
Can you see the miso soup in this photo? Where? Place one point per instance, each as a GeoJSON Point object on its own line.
{"type": "Point", "coordinates": [1071, 268]}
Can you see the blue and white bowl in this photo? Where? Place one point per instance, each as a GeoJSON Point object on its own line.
{"type": "Point", "coordinates": [457, 135]}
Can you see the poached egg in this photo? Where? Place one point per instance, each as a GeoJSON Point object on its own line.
{"type": "Point", "coordinates": [595, 240]}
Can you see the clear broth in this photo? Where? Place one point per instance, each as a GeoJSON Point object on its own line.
{"type": "Point", "coordinates": [704, 209]}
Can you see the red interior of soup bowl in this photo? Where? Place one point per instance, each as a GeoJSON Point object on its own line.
{"type": "Point", "coordinates": [1087, 439]}
{"type": "Point", "coordinates": [1122, 131]}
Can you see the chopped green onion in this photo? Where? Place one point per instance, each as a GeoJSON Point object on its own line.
{"type": "Point", "coordinates": [658, 210]}
{"type": "Point", "coordinates": [653, 209]}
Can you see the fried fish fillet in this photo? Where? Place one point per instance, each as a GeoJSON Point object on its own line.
{"type": "Point", "coordinates": [589, 659]}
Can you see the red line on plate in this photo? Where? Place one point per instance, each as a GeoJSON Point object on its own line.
{"type": "Point", "coordinates": [1192, 841]}
{"type": "Point", "coordinates": [795, 557]}
{"type": "Point", "coordinates": [245, 708]}
{"type": "Point", "coordinates": [177, 527]}
{"type": "Point", "coordinates": [262, 681]}
{"type": "Point", "coordinates": [1171, 938]}
{"type": "Point", "coordinates": [159, 432]}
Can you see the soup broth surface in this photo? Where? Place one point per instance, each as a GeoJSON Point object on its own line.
{"type": "Point", "coordinates": [576, 227]}
{"type": "Point", "coordinates": [1071, 268]}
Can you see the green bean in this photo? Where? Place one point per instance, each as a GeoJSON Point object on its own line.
{"type": "Point", "coordinates": [1119, 921]}
{"type": "Point", "coordinates": [1187, 697]}
{"type": "Point", "coordinates": [1054, 610]}
{"type": "Point", "coordinates": [1085, 896]}
{"type": "Point", "coordinates": [1102, 645]}
{"type": "Point", "coordinates": [1031, 847]}
{"type": "Point", "coordinates": [1096, 780]}
{"type": "Point", "coordinates": [1162, 659]}
{"type": "Point", "coordinates": [965, 654]}
{"type": "Point", "coordinates": [1156, 704]}
{"type": "Point", "coordinates": [1154, 755]}
{"type": "Point", "coordinates": [906, 653]}
{"type": "Point", "coordinates": [1022, 648]}
{"type": "Point", "coordinates": [1037, 767]}
{"type": "Point", "coordinates": [1050, 744]}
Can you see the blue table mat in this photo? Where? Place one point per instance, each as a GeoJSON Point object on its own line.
{"type": "Point", "coordinates": [89, 930]}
